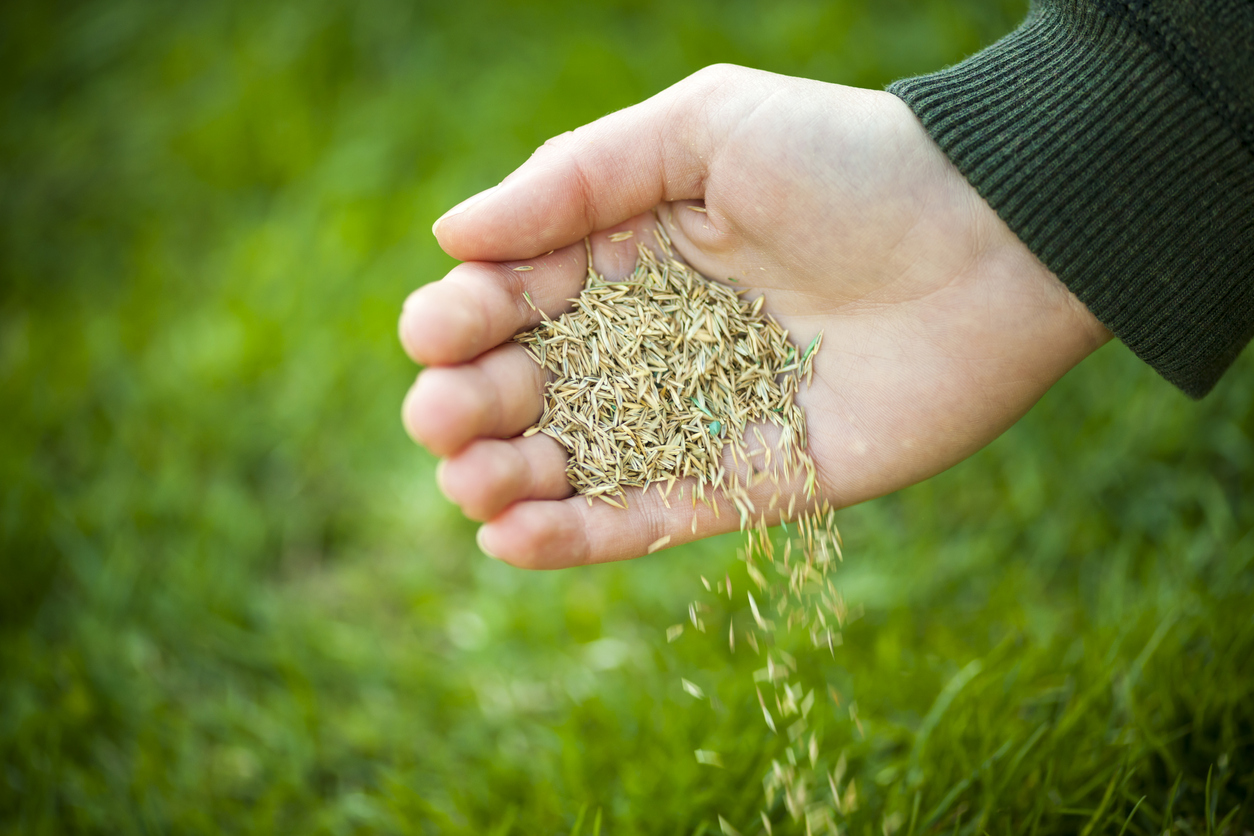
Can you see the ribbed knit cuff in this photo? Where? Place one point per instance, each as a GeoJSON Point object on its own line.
{"type": "Point", "coordinates": [1116, 174]}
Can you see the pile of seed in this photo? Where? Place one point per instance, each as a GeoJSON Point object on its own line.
{"type": "Point", "coordinates": [658, 377]}
{"type": "Point", "coordinates": [655, 376]}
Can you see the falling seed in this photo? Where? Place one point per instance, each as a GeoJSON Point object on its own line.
{"type": "Point", "coordinates": [659, 543]}
{"type": "Point", "coordinates": [658, 377]}
{"type": "Point", "coordinates": [766, 713]}
{"type": "Point", "coordinates": [700, 209]}
{"type": "Point", "coordinates": [757, 616]}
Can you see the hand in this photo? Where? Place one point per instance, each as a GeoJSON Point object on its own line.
{"type": "Point", "coordinates": [941, 328]}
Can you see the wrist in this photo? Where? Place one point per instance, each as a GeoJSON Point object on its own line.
{"type": "Point", "coordinates": [1116, 172]}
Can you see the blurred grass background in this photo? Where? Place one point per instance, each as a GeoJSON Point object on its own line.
{"type": "Point", "coordinates": [231, 599]}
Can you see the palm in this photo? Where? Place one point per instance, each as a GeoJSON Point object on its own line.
{"type": "Point", "coordinates": [940, 328]}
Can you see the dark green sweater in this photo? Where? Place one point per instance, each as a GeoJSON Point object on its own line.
{"type": "Point", "coordinates": [1116, 138]}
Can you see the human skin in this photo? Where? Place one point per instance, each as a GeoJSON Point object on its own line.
{"type": "Point", "coordinates": [940, 328]}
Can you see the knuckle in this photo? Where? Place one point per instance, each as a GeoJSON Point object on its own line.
{"type": "Point", "coordinates": [564, 154]}
{"type": "Point", "coordinates": [716, 75]}
{"type": "Point", "coordinates": [510, 287]}
{"type": "Point", "coordinates": [582, 187]}
{"type": "Point", "coordinates": [555, 141]}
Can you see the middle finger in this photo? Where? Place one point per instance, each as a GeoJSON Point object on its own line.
{"type": "Point", "coordinates": [497, 395]}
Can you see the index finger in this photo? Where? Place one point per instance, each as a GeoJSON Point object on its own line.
{"type": "Point", "coordinates": [480, 305]}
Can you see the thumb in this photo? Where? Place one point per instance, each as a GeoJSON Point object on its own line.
{"type": "Point", "coordinates": [603, 173]}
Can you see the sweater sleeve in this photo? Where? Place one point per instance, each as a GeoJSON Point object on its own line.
{"type": "Point", "coordinates": [1116, 139]}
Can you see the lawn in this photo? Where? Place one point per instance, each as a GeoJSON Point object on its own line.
{"type": "Point", "coordinates": [231, 599]}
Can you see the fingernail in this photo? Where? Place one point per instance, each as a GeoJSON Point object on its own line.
{"type": "Point", "coordinates": [479, 539]}
{"type": "Point", "coordinates": [463, 206]}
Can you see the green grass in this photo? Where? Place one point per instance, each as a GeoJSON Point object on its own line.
{"type": "Point", "coordinates": [232, 601]}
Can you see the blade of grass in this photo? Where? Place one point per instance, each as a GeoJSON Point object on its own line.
{"type": "Point", "coordinates": [1223, 824]}
{"type": "Point", "coordinates": [1209, 804]}
{"type": "Point", "coordinates": [1249, 800]}
{"type": "Point", "coordinates": [506, 824]}
{"type": "Point", "coordinates": [1167, 826]}
{"type": "Point", "coordinates": [940, 809]}
{"type": "Point", "coordinates": [1023, 751]}
{"type": "Point", "coordinates": [914, 813]}
{"type": "Point", "coordinates": [943, 700]}
{"type": "Point", "coordinates": [1128, 820]}
{"type": "Point", "coordinates": [1041, 796]}
{"type": "Point", "coordinates": [1101, 808]}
